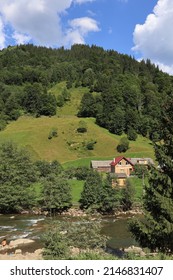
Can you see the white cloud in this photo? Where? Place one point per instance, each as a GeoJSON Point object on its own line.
{"type": "Point", "coordinates": [2, 35]}
{"type": "Point", "coordinates": [21, 38]}
{"type": "Point", "coordinates": [84, 25]}
{"type": "Point", "coordinates": [80, 27]}
{"type": "Point", "coordinates": [154, 38]}
{"type": "Point", "coordinates": [40, 21]}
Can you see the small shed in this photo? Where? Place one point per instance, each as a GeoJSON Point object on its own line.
{"type": "Point", "coordinates": [101, 165]}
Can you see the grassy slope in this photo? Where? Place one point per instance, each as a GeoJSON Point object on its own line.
{"type": "Point", "coordinates": [71, 107]}
{"type": "Point", "coordinates": [68, 147]}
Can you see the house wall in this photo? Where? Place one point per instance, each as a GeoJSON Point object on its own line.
{"type": "Point", "coordinates": [103, 169]}
{"type": "Point", "coordinates": [118, 182]}
{"type": "Point", "coordinates": [124, 167]}
{"type": "Point", "coordinates": [112, 169]}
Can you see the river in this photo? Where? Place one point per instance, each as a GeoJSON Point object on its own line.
{"type": "Point", "coordinates": [26, 226]}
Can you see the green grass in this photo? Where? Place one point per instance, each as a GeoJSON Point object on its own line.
{"type": "Point", "coordinates": [71, 107]}
{"type": "Point", "coordinates": [137, 183]}
{"type": "Point", "coordinates": [69, 148]}
{"type": "Point", "coordinates": [77, 187]}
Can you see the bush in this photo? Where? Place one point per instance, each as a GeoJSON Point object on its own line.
{"type": "Point", "coordinates": [80, 173]}
{"type": "Point", "coordinates": [123, 145]}
{"type": "Point", "coordinates": [90, 145]}
{"type": "Point", "coordinates": [131, 134]}
{"type": "Point", "coordinates": [62, 236]}
{"type": "Point", "coordinates": [53, 133]}
{"type": "Point", "coordinates": [82, 127]}
{"type": "Point", "coordinates": [140, 170]}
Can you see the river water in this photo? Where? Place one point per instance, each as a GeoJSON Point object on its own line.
{"type": "Point", "coordinates": [32, 227]}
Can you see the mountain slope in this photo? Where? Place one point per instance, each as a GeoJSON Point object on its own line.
{"type": "Point", "coordinates": [69, 145]}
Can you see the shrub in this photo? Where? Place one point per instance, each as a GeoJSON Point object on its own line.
{"type": "Point", "coordinates": [90, 145]}
{"type": "Point", "coordinates": [140, 170]}
{"type": "Point", "coordinates": [53, 133]}
{"type": "Point", "coordinates": [123, 145]}
{"type": "Point", "coordinates": [63, 236]}
{"type": "Point", "coordinates": [82, 128]}
{"type": "Point", "coordinates": [131, 134]}
{"type": "Point", "coordinates": [80, 173]}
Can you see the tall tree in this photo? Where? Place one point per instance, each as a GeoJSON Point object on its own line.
{"type": "Point", "coordinates": [90, 196]}
{"type": "Point", "coordinates": [87, 106]}
{"type": "Point", "coordinates": [56, 193]}
{"type": "Point", "coordinates": [156, 230]}
{"type": "Point", "coordinates": [17, 173]}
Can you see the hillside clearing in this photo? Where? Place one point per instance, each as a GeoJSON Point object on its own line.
{"type": "Point", "coordinates": [69, 147]}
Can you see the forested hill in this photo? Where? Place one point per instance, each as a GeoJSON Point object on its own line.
{"type": "Point", "coordinates": [124, 95]}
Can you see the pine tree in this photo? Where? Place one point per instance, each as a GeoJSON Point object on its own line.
{"type": "Point", "coordinates": [155, 231]}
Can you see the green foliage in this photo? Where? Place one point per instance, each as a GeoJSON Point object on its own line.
{"type": "Point", "coordinates": [123, 145]}
{"type": "Point", "coordinates": [45, 169]}
{"type": "Point", "coordinates": [63, 97]}
{"type": "Point", "coordinates": [140, 170]}
{"type": "Point", "coordinates": [82, 127]}
{"type": "Point", "coordinates": [17, 173]}
{"type": "Point", "coordinates": [87, 106]}
{"type": "Point", "coordinates": [156, 230]}
{"type": "Point", "coordinates": [125, 93]}
{"type": "Point", "coordinates": [56, 194]}
{"type": "Point", "coordinates": [64, 235]}
{"type": "Point", "coordinates": [109, 197]}
{"type": "Point", "coordinates": [98, 194]}
{"type": "Point", "coordinates": [90, 145]}
{"type": "Point", "coordinates": [53, 133]}
{"type": "Point", "coordinates": [37, 101]}
{"type": "Point", "coordinates": [90, 197]}
{"type": "Point", "coordinates": [92, 255]}
{"type": "Point", "coordinates": [55, 244]}
{"type": "Point", "coordinates": [2, 124]}
{"type": "Point", "coordinates": [80, 173]}
{"type": "Point", "coordinates": [128, 196]}
{"type": "Point", "coordinates": [131, 134]}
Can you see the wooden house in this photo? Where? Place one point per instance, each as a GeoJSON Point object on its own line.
{"type": "Point", "coordinates": [122, 165]}
{"type": "Point", "coordinates": [101, 165]}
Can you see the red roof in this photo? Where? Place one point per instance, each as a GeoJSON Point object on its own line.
{"type": "Point", "coordinates": [118, 159]}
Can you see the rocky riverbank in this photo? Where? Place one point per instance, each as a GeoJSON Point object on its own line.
{"type": "Point", "coordinates": [14, 251]}
{"type": "Point", "coordinates": [18, 255]}
{"type": "Point", "coordinates": [77, 212]}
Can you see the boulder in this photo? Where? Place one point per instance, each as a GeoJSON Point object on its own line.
{"type": "Point", "coordinates": [74, 251]}
{"type": "Point", "coordinates": [21, 241]}
{"type": "Point", "coordinates": [18, 251]}
{"type": "Point", "coordinates": [133, 249]}
{"type": "Point", "coordinates": [38, 252]}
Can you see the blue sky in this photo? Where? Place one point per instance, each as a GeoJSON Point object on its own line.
{"type": "Point", "coordinates": [141, 28]}
{"type": "Point", "coordinates": [116, 19]}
